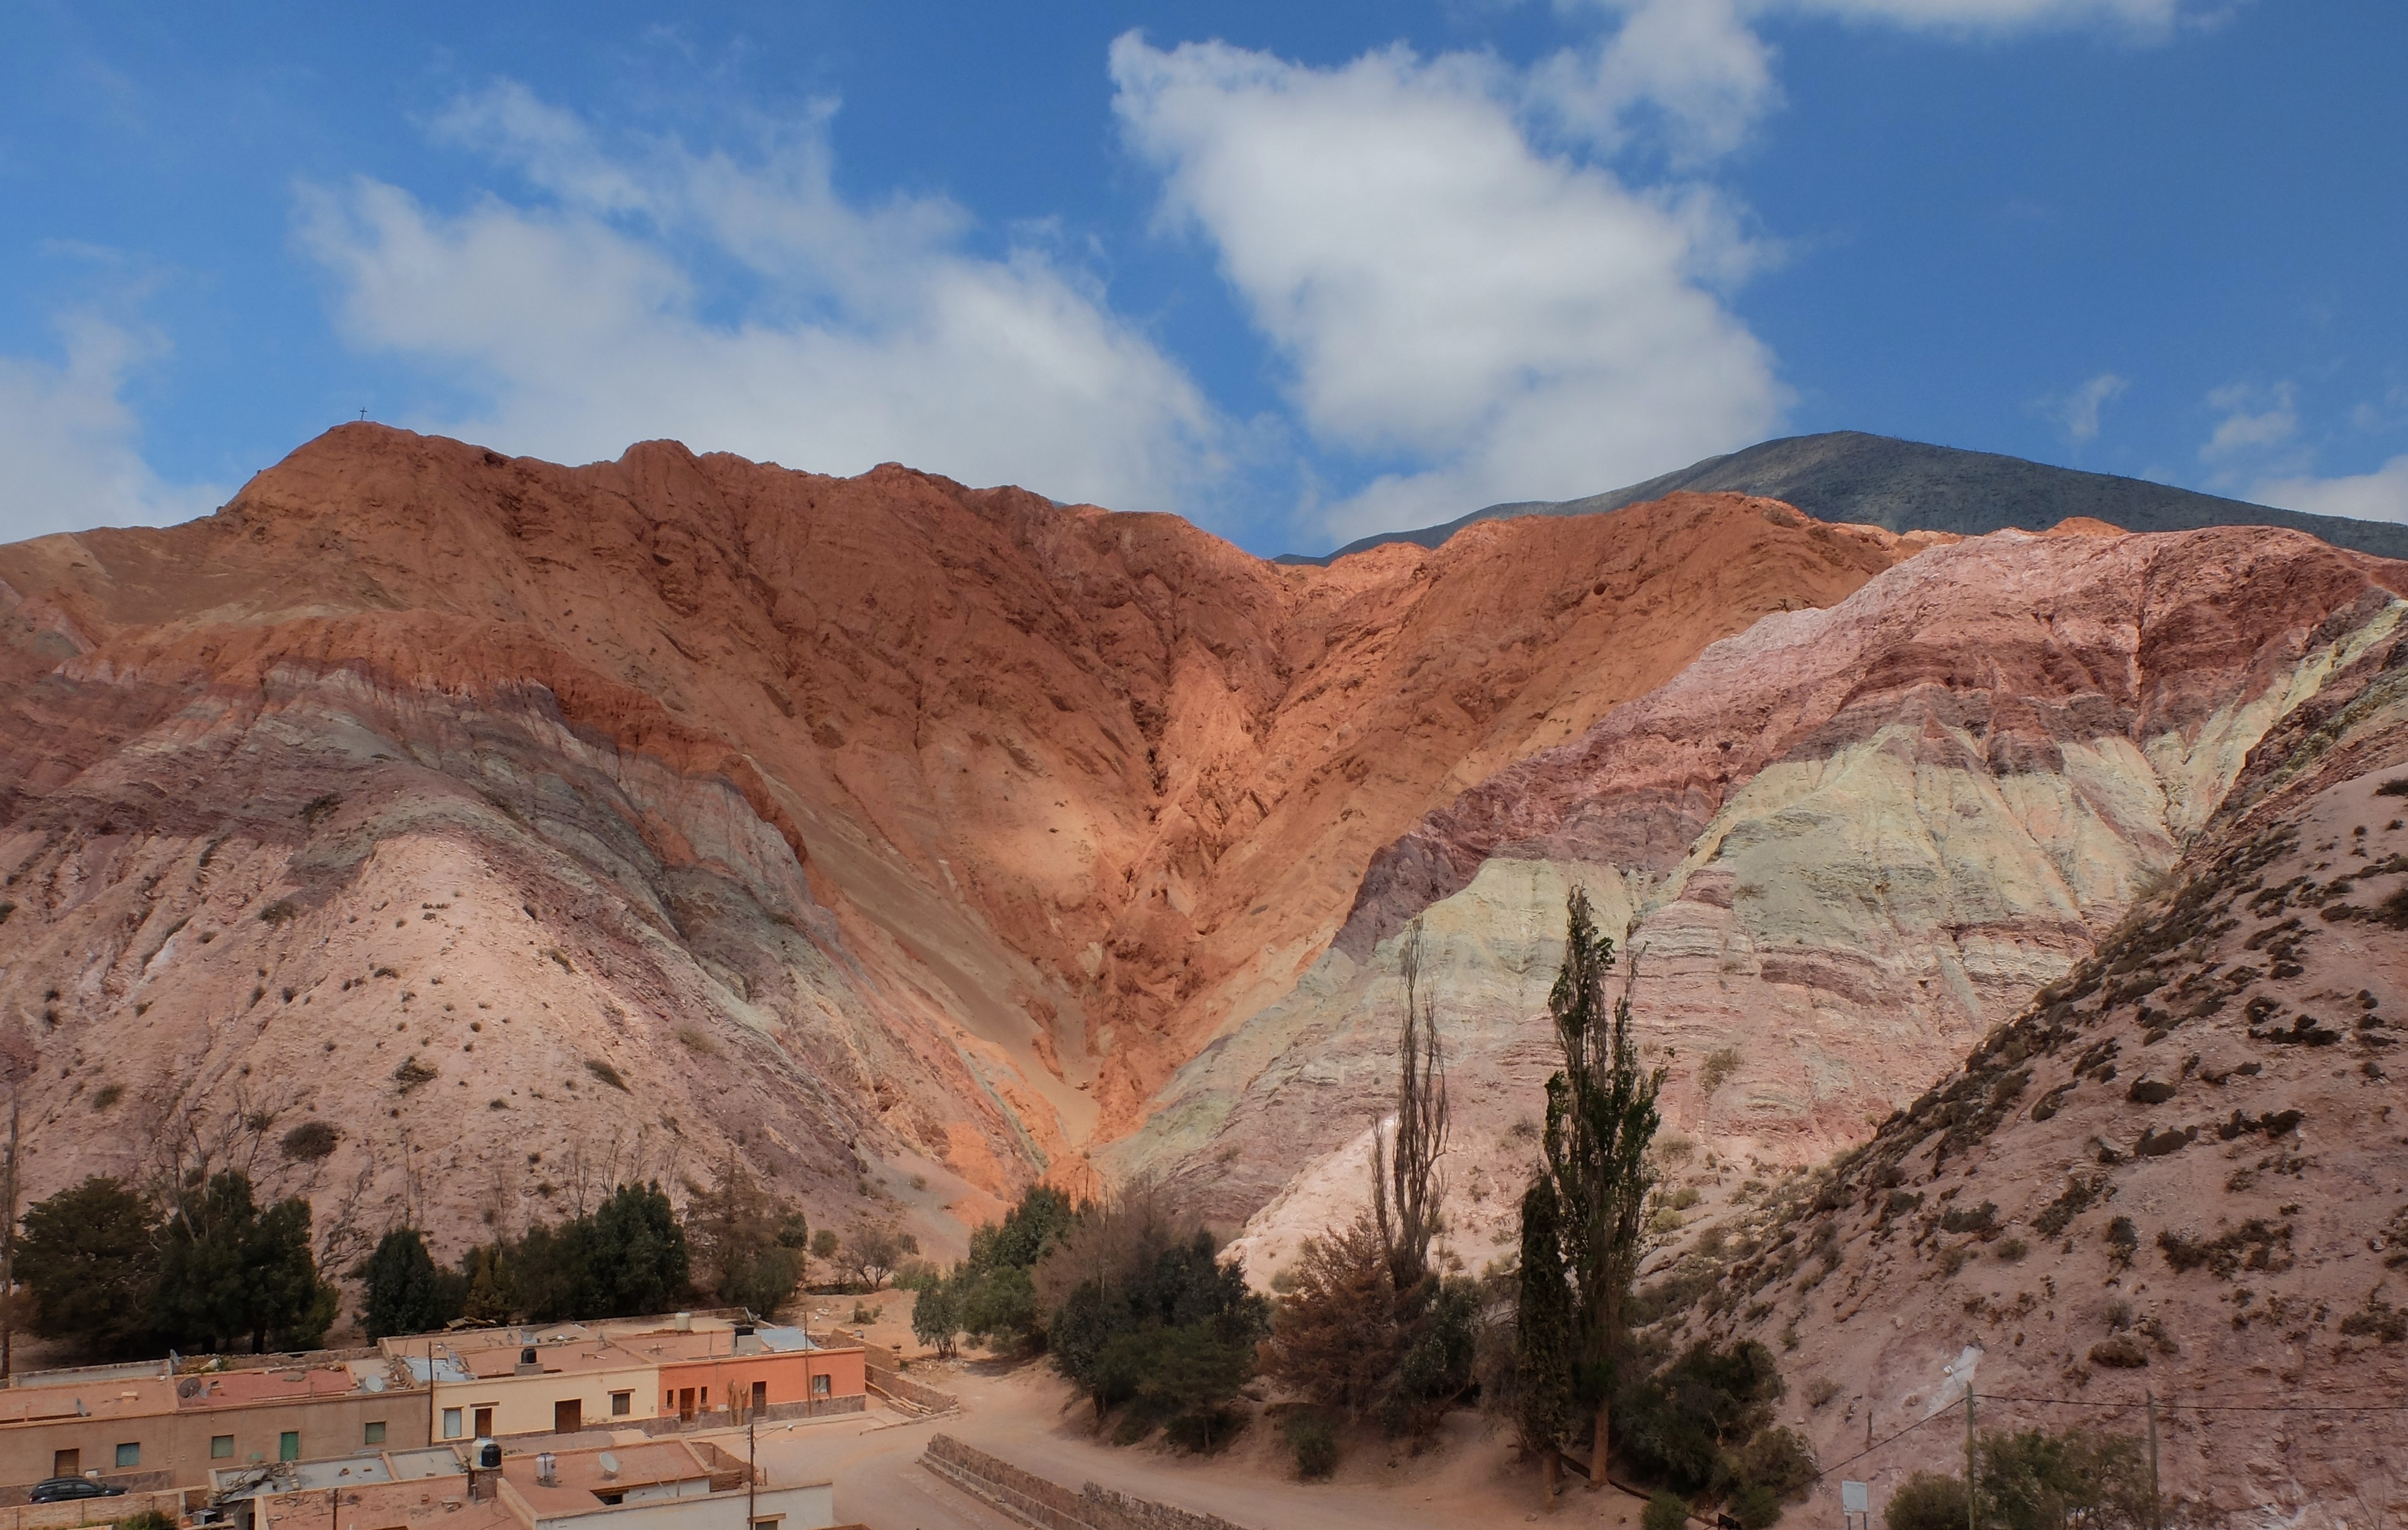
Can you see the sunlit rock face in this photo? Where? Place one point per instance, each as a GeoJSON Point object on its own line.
{"type": "Point", "coordinates": [896, 837]}
{"type": "Point", "coordinates": [2180, 1170]}
{"type": "Point", "coordinates": [1844, 845]}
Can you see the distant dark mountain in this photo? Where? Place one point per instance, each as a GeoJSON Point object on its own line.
{"type": "Point", "coordinates": [1909, 486]}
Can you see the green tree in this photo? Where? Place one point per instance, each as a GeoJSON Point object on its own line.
{"type": "Point", "coordinates": [1545, 1340]}
{"type": "Point", "coordinates": [637, 1261]}
{"type": "Point", "coordinates": [2033, 1479]}
{"type": "Point", "coordinates": [746, 1246]}
{"type": "Point", "coordinates": [90, 1259]}
{"type": "Point", "coordinates": [1927, 1501]}
{"type": "Point", "coordinates": [491, 1288]}
{"type": "Point", "coordinates": [937, 1316]}
{"type": "Point", "coordinates": [228, 1270]}
{"type": "Point", "coordinates": [1601, 1116]}
{"type": "Point", "coordinates": [404, 1290]}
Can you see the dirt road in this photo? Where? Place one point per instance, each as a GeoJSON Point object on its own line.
{"type": "Point", "coordinates": [1018, 1414]}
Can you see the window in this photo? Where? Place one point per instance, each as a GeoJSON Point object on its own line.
{"type": "Point", "coordinates": [706, 1399]}
{"type": "Point", "coordinates": [129, 1454]}
{"type": "Point", "coordinates": [450, 1423]}
{"type": "Point", "coordinates": [820, 1386]}
{"type": "Point", "coordinates": [767, 1525]}
{"type": "Point", "coordinates": [621, 1404]}
{"type": "Point", "coordinates": [222, 1447]}
{"type": "Point", "coordinates": [288, 1445]}
{"type": "Point", "coordinates": [374, 1433]}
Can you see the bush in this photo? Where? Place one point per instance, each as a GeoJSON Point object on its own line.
{"type": "Point", "coordinates": [1315, 1443]}
{"type": "Point", "coordinates": [146, 1519]}
{"type": "Point", "coordinates": [311, 1141]}
{"type": "Point", "coordinates": [1665, 1512]}
{"type": "Point", "coordinates": [1677, 1424]}
{"type": "Point", "coordinates": [1927, 1501]}
{"type": "Point", "coordinates": [1780, 1461]}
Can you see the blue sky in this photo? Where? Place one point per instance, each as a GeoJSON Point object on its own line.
{"type": "Point", "coordinates": [1296, 272]}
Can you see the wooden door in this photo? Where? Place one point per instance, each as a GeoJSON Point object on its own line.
{"type": "Point", "coordinates": [568, 1415]}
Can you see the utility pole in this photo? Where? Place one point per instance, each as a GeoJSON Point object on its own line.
{"type": "Point", "coordinates": [1969, 1453]}
{"type": "Point", "coordinates": [751, 1472]}
{"type": "Point", "coordinates": [9, 1259]}
{"type": "Point", "coordinates": [2156, 1511]}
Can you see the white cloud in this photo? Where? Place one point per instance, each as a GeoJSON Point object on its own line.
{"type": "Point", "coordinates": [1700, 74]}
{"type": "Point", "coordinates": [1695, 63]}
{"type": "Point", "coordinates": [2246, 428]}
{"type": "Point", "coordinates": [74, 448]}
{"type": "Point", "coordinates": [2143, 18]}
{"type": "Point", "coordinates": [2077, 413]}
{"type": "Point", "coordinates": [599, 311]}
{"type": "Point", "coordinates": [1511, 326]}
{"type": "Point", "coordinates": [2379, 495]}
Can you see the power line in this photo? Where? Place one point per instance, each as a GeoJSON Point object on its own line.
{"type": "Point", "coordinates": [2171, 1407]}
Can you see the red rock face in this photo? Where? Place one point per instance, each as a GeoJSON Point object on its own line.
{"type": "Point", "coordinates": [899, 837]}
{"type": "Point", "coordinates": [1838, 849]}
{"type": "Point", "coordinates": [2180, 1170]}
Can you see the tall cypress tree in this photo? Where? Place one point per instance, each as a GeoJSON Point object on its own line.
{"type": "Point", "coordinates": [1545, 1342]}
{"type": "Point", "coordinates": [407, 1292]}
{"type": "Point", "coordinates": [1601, 1116]}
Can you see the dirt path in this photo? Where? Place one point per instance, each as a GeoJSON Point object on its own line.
{"type": "Point", "coordinates": [1018, 1414]}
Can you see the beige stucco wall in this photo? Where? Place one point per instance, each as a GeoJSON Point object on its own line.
{"type": "Point", "coordinates": [808, 1507]}
{"type": "Point", "coordinates": [178, 1442]}
{"type": "Point", "coordinates": [523, 1404]}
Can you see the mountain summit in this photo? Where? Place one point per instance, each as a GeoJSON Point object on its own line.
{"type": "Point", "coordinates": [1879, 480]}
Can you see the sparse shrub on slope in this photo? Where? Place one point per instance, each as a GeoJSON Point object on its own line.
{"type": "Point", "coordinates": [1927, 1501]}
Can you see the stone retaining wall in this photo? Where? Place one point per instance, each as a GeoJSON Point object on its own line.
{"type": "Point", "coordinates": [1050, 1505]}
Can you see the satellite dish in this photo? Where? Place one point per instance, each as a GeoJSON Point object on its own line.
{"type": "Point", "coordinates": [609, 1463]}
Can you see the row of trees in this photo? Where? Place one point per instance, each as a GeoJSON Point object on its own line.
{"type": "Point", "coordinates": [1128, 1296]}
{"type": "Point", "coordinates": [108, 1265]}
{"type": "Point", "coordinates": [120, 1271]}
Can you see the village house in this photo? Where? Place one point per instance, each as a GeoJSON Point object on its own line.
{"type": "Point", "coordinates": [157, 1424]}
{"type": "Point", "coordinates": [149, 1425]}
{"type": "Point", "coordinates": [654, 1485]}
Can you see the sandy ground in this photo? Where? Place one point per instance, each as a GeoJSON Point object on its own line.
{"type": "Point", "coordinates": [1026, 1415]}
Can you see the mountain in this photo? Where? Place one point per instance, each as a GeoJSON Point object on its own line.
{"type": "Point", "coordinates": [540, 826]}
{"type": "Point", "coordinates": [1838, 849]}
{"type": "Point", "coordinates": [2181, 1169]}
{"type": "Point", "coordinates": [1847, 476]}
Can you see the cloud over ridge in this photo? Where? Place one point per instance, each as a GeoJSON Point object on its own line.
{"type": "Point", "coordinates": [593, 312]}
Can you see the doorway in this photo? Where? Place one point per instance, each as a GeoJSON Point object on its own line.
{"type": "Point", "coordinates": [66, 1462]}
{"type": "Point", "coordinates": [569, 1416]}
{"type": "Point", "coordinates": [484, 1422]}
{"type": "Point", "coordinates": [686, 1404]}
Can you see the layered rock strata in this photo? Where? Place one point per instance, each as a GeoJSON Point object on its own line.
{"type": "Point", "coordinates": [540, 826]}
{"type": "Point", "coordinates": [1844, 845]}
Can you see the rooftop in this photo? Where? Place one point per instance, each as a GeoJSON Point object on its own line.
{"type": "Point", "coordinates": [390, 1506]}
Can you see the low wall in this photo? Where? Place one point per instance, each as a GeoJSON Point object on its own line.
{"type": "Point", "coordinates": [94, 1510]}
{"type": "Point", "coordinates": [1144, 1514]}
{"type": "Point", "coordinates": [1051, 1505]}
{"type": "Point", "coordinates": [1032, 1500]}
{"type": "Point", "coordinates": [880, 1365]}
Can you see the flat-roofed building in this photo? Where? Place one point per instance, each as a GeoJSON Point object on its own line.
{"type": "Point", "coordinates": [170, 1428]}
{"type": "Point", "coordinates": [657, 1485]}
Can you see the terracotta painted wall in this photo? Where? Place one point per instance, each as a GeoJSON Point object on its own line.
{"type": "Point", "coordinates": [178, 1442]}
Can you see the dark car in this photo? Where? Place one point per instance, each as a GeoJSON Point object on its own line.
{"type": "Point", "coordinates": [58, 1490]}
